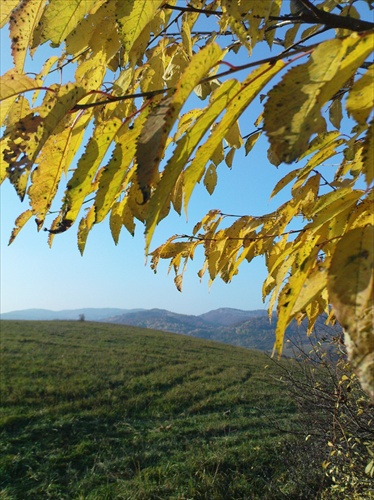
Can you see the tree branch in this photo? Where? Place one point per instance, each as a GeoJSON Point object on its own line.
{"type": "Point", "coordinates": [244, 238]}
{"type": "Point", "coordinates": [308, 13]}
{"type": "Point", "coordinates": [189, 8]}
{"type": "Point", "coordinates": [149, 94]}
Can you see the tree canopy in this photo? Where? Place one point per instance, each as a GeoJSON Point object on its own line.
{"type": "Point", "coordinates": [124, 141]}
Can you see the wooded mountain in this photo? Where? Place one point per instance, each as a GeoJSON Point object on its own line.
{"type": "Point", "coordinates": [250, 329]}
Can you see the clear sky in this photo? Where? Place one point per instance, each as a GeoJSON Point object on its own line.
{"type": "Point", "coordinates": [35, 276]}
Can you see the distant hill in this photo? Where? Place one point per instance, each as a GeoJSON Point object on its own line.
{"type": "Point", "coordinates": [90, 314]}
{"type": "Point", "coordinates": [161, 319]}
{"type": "Point", "coordinates": [226, 316]}
{"type": "Point", "coordinates": [250, 329]}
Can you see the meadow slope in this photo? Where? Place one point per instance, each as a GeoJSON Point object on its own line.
{"type": "Point", "coordinates": [100, 411]}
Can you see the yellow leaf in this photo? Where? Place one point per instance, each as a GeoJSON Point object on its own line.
{"type": "Point", "coordinates": [61, 17]}
{"type": "Point", "coordinates": [186, 121]}
{"type": "Point", "coordinates": [55, 159]}
{"type": "Point", "coordinates": [178, 282]}
{"type": "Point", "coordinates": [306, 195]}
{"type": "Point", "coordinates": [319, 142]}
{"type": "Point", "coordinates": [305, 259]}
{"type": "Point", "coordinates": [293, 110]}
{"type": "Point", "coordinates": [356, 48]}
{"type": "Point", "coordinates": [152, 140]}
{"type": "Point", "coordinates": [59, 104]}
{"type": "Point", "coordinates": [284, 181]}
{"type": "Point", "coordinates": [132, 17]}
{"type": "Point", "coordinates": [117, 174]}
{"type": "Point", "coordinates": [103, 44]}
{"type": "Point", "coordinates": [115, 219]}
{"type": "Point", "coordinates": [5, 107]}
{"type": "Point", "coordinates": [14, 110]}
{"type": "Point", "coordinates": [84, 228]}
{"type": "Point", "coordinates": [351, 293]}
{"type": "Point", "coordinates": [22, 23]}
{"type": "Point", "coordinates": [32, 131]}
{"type": "Point", "coordinates": [230, 157]}
{"type": "Point", "coordinates": [153, 76]}
{"type": "Point", "coordinates": [279, 264]}
{"type": "Point", "coordinates": [6, 10]}
{"type": "Point", "coordinates": [58, 226]}
{"type": "Point", "coordinates": [275, 8]}
{"type": "Point", "coordinates": [335, 226]}
{"type": "Point", "coordinates": [256, 11]}
{"type": "Point", "coordinates": [217, 156]}
{"type": "Point", "coordinates": [278, 268]}
{"type": "Point", "coordinates": [247, 248]}
{"type": "Point", "coordinates": [184, 150]}
{"type": "Point", "coordinates": [3, 163]}
{"type": "Point", "coordinates": [42, 74]}
{"type": "Point", "coordinates": [368, 154]}
{"type": "Point", "coordinates": [250, 88]}
{"type": "Point", "coordinates": [177, 194]}
{"type": "Point", "coordinates": [80, 185]}
{"type": "Point", "coordinates": [313, 286]}
{"type": "Point", "coordinates": [176, 64]}
{"type": "Point", "coordinates": [211, 217]}
{"type": "Point", "coordinates": [326, 151]}
{"type": "Point", "coordinates": [123, 82]}
{"type": "Point", "coordinates": [186, 36]}
{"type": "Point", "coordinates": [236, 13]}
{"type": "Point", "coordinates": [335, 113]}
{"type": "Point", "coordinates": [46, 177]}
{"type": "Point", "coordinates": [233, 137]}
{"type": "Point", "coordinates": [329, 205]}
{"type": "Point", "coordinates": [360, 100]}
{"type": "Point", "coordinates": [90, 31]}
{"type": "Point", "coordinates": [128, 218]}
{"type": "Point", "coordinates": [20, 222]}
{"type": "Point", "coordinates": [210, 178]}
{"type": "Point", "coordinates": [135, 198]}
{"type": "Point", "coordinates": [151, 144]}
{"type": "Point", "coordinates": [171, 249]}
{"type": "Point", "coordinates": [290, 35]}
{"type": "Point", "coordinates": [215, 254]}
{"type": "Point", "coordinates": [363, 213]}
{"type": "Point", "coordinates": [277, 249]}
{"type": "Point", "coordinates": [317, 307]}
{"type": "Point", "coordinates": [251, 141]}
{"type": "Point", "coordinates": [234, 236]}
{"type": "Point", "coordinates": [121, 215]}
{"type": "Point", "coordinates": [13, 84]}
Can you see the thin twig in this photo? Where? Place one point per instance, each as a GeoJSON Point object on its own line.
{"type": "Point", "coordinates": [190, 8]}
{"type": "Point", "coordinates": [245, 238]}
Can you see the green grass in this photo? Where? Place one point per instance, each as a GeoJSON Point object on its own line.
{"type": "Point", "coordinates": [97, 411]}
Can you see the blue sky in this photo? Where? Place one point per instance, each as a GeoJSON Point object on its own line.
{"type": "Point", "coordinates": [35, 276]}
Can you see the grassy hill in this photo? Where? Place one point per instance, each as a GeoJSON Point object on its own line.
{"type": "Point", "coordinates": [100, 411]}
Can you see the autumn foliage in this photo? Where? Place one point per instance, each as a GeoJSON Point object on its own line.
{"type": "Point", "coordinates": [112, 101]}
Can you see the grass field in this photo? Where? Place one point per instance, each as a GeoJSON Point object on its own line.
{"type": "Point", "coordinates": [98, 411]}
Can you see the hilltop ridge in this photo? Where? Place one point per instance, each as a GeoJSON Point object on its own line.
{"type": "Point", "coordinates": [250, 329]}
